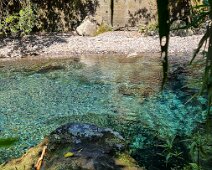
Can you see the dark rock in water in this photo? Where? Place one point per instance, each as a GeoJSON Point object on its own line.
{"type": "Point", "coordinates": [93, 147]}
{"type": "Point", "coordinates": [50, 68]}
{"type": "Point", "coordinates": [79, 146]}
{"type": "Point", "coordinates": [83, 134]}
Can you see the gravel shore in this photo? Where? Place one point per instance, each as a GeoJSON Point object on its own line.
{"type": "Point", "coordinates": [118, 42]}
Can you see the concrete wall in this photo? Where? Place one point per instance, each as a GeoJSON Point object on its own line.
{"type": "Point", "coordinates": [126, 12]}
{"type": "Point", "coordinates": [62, 16]}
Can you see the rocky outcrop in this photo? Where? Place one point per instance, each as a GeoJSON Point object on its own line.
{"type": "Point", "coordinates": [176, 29]}
{"type": "Point", "coordinates": [78, 146]}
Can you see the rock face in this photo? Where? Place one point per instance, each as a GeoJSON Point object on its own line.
{"type": "Point", "coordinates": [88, 27]}
{"type": "Point", "coordinates": [119, 13]}
{"type": "Point", "coordinates": [79, 146]}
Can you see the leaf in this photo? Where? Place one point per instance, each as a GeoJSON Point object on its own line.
{"type": "Point", "coordinates": [193, 148]}
{"type": "Point", "coordinates": [160, 154]}
{"type": "Point", "coordinates": [69, 154]}
{"type": "Point", "coordinates": [194, 166]}
{"type": "Point", "coordinates": [178, 154]}
{"type": "Point", "coordinates": [21, 12]}
{"type": "Point", "coordinates": [200, 6]}
{"type": "Point", "coordinates": [9, 19]}
{"type": "Point", "coordinates": [202, 151]}
{"type": "Point", "coordinates": [168, 156]}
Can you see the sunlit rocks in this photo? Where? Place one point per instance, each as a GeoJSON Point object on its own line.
{"type": "Point", "coordinates": [88, 27]}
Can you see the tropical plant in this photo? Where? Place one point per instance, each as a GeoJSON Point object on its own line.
{"type": "Point", "coordinates": [169, 150]}
{"type": "Point", "coordinates": [199, 148]}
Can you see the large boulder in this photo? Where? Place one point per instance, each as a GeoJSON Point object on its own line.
{"type": "Point", "coordinates": [176, 29]}
{"type": "Point", "coordinates": [77, 146]}
{"type": "Point", "coordinates": [88, 27]}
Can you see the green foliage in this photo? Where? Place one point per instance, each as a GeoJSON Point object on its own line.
{"type": "Point", "coordinates": [103, 28]}
{"type": "Point", "coordinates": [21, 22]}
{"type": "Point", "coordinates": [200, 13]}
{"type": "Point", "coordinates": [199, 146]}
{"type": "Point", "coordinates": [192, 166]}
{"type": "Point", "coordinates": [26, 20]}
{"type": "Point", "coordinates": [148, 28]}
{"type": "Point", "coordinates": [9, 24]}
{"type": "Point", "coordinates": [169, 150]}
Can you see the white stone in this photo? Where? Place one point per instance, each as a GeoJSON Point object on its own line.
{"type": "Point", "coordinates": [131, 55]}
{"type": "Point", "coordinates": [88, 27]}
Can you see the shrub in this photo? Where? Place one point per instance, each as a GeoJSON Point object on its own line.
{"type": "Point", "coordinates": [21, 22]}
{"type": "Point", "coordinates": [103, 28]}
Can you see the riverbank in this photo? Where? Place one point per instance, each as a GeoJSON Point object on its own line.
{"type": "Point", "coordinates": [119, 42]}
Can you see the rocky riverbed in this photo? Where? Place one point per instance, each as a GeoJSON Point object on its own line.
{"type": "Point", "coordinates": [109, 91]}
{"type": "Point", "coordinates": [118, 42]}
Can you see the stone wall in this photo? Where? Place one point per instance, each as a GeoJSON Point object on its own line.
{"type": "Point", "coordinates": [122, 13]}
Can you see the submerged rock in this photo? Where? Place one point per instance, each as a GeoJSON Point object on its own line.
{"type": "Point", "coordinates": [49, 68]}
{"type": "Point", "coordinates": [78, 146]}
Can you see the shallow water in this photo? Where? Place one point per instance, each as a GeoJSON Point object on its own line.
{"type": "Point", "coordinates": [123, 93]}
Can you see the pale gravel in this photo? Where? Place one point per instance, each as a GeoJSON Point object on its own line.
{"type": "Point", "coordinates": [118, 42]}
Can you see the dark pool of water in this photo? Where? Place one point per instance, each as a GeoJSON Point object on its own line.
{"type": "Point", "coordinates": [37, 96]}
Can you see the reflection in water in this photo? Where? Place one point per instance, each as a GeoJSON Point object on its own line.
{"type": "Point", "coordinates": [37, 96]}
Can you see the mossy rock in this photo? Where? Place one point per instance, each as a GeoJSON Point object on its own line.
{"type": "Point", "coordinates": [91, 148]}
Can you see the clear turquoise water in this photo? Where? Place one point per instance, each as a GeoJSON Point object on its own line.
{"type": "Point", "coordinates": [107, 91]}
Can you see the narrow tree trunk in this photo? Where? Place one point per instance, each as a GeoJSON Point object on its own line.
{"type": "Point", "coordinates": [164, 28]}
{"type": "Point", "coordinates": [111, 11]}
